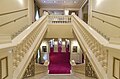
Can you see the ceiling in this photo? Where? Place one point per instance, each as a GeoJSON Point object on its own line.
{"type": "Point", "coordinates": [60, 3]}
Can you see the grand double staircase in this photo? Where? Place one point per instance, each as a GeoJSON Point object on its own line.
{"type": "Point", "coordinates": [16, 55]}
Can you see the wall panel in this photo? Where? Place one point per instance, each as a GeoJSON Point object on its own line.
{"type": "Point", "coordinates": [106, 17]}
{"type": "Point", "coordinates": [13, 16]}
{"type": "Point", "coordinates": [59, 31]}
{"type": "Point", "coordinates": [12, 5]}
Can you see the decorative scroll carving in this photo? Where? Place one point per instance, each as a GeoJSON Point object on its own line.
{"type": "Point", "coordinates": [89, 69]}
{"type": "Point", "coordinates": [30, 71]}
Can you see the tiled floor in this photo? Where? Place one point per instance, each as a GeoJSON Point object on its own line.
{"type": "Point", "coordinates": [48, 76]}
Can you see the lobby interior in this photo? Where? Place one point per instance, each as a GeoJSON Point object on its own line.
{"type": "Point", "coordinates": [59, 39]}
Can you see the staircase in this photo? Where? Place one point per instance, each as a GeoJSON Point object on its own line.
{"type": "Point", "coordinates": [40, 68]}
{"type": "Point", "coordinates": [59, 61]}
{"type": "Point", "coordinates": [102, 54]}
{"type": "Point", "coordinates": [79, 68]}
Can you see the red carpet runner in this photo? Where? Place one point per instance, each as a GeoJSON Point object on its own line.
{"type": "Point", "coordinates": [59, 62]}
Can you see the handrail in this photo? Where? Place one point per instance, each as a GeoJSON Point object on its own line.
{"type": "Point", "coordinates": [106, 22]}
{"type": "Point", "coordinates": [13, 12]}
{"type": "Point", "coordinates": [106, 14]}
{"type": "Point", "coordinates": [13, 20]}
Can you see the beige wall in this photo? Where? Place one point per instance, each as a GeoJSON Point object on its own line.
{"type": "Point", "coordinates": [107, 7]}
{"type": "Point", "coordinates": [15, 14]}
{"type": "Point", "coordinates": [12, 5]}
{"type": "Point", "coordinates": [31, 12]}
{"type": "Point", "coordinates": [102, 15]}
{"type": "Point", "coordinates": [105, 17]}
{"type": "Point", "coordinates": [114, 64]}
{"type": "Point", "coordinates": [59, 31]}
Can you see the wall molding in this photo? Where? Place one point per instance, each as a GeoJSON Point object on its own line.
{"type": "Point", "coordinates": [6, 59]}
{"type": "Point", "coordinates": [106, 14]}
{"type": "Point", "coordinates": [13, 12]}
{"type": "Point", "coordinates": [114, 59]}
{"type": "Point", "coordinates": [13, 20]}
{"type": "Point", "coordinates": [106, 22]}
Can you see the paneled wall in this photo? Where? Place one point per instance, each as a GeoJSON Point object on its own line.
{"type": "Point", "coordinates": [6, 64]}
{"type": "Point", "coordinates": [106, 17]}
{"type": "Point", "coordinates": [114, 64]}
{"type": "Point", "coordinates": [14, 15]}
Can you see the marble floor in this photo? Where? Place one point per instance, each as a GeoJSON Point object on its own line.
{"type": "Point", "coordinates": [48, 76]}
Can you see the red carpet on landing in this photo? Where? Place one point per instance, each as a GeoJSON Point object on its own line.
{"type": "Point", "coordinates": [59, 61]}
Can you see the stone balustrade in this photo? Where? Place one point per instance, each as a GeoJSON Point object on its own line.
{"type": "Point", "coordinates": [96, 48]}
{"type": "Point", "coordinates": [59, 19]}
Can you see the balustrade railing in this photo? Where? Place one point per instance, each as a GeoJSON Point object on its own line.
{"type": "Point", "coordinates": [96, 47]}
{"type": "Point", "coordinates": [21, 49]}
{"type": "Point", "coordinates": [59, 19]}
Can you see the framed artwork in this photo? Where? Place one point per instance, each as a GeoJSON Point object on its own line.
{"type": "Point", "coordinates": [4, 68]}
{"type": "Point", "coordinates": [44, 48]}
{"type": "Point", "coordinates": [74, 48]}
